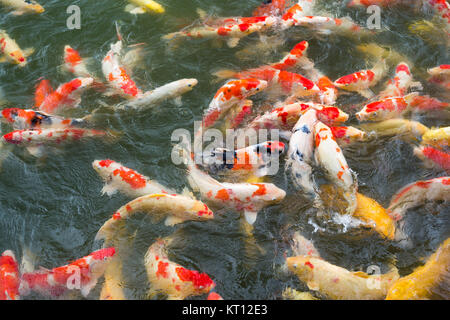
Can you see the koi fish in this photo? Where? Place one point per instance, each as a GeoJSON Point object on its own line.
{"type": "Point", "coordinates": [247, 197]}
{"type": "Point", "coordinates": [231, 93]}
{"type": "Point", "coordinates": [11, 52]}
{"type": "Point", "coordinates": [393, 127]}
{"type": "Point", "coordinates": [66, 95]}
{"type": "Point", "coordinates": [22, 119]}
{"type": "Point", "coordinates": [433, 157]}
{"type": "Point", "coordinates": [171, 278]}
{"type": "Point", "coordinates": [116, 75]}
{"type": "Point", "coordinates": [231, 29]}
{"type": "Point", "coordinates": [271, 8]}
{"type": "Point", "coordinates": [361, 81]}
{"type": "Point", "coordinates": [253, 160]}
{"type": "Point", "coordinates": [56, 281]}
{"type": "Point", "coordinates": [238, 113]}
{"type": "Point", "coordinates": [285, 117]}
{"type": "Point", "coordinates": [347, 135]}
{"type": "Point", "coordinates": [23, 6]}
{"type": "Point", "coordinates": [143, 6]}
{"type": "Point", "coordinates": [34, 139]}
{"type": "Point", "coordinates": [126, 180]}
{"type": "Point", "coordinates": [424, 103]}
{"type": "Point", "coordinates": [302, 246]}
{"type": "Point", "coordinates": [214, 296]}
{"type": "Point", "coordinates": [9, 276]}
{"type": "Point", "coordinates": [416, 193]}
{"type": "Point", "coordinates": [301, 9]}
{"type": "Point", "coordinates": [172, 90]}
{"type": "Point", "coordinates": [398, 86]}
{"type": "Point", "coordinates": [300, 154]}
{"type": "Point", "coordinates": [178, 209]}
{"type": "Point", "coordinates": [387, 108]}
{"type": "Point", "coordinates": [440, 75]}
{"type": "Point", "coordinates": [338, 283]}
{"type": "Point", "coordinates": [73, 63]}
{"type": "Point", "coordinates": [43, 89]}
{"type": "Point", "coordinates": [423, 282]}
{"type": "Point", "coordinates": [437, 137]}
{"type": "Point", "coordinates": [330, 157]}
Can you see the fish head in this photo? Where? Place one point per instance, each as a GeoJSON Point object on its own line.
{"type": "Point", "coordinates": [269, 193]}
{"type": "Point", "coordinates": [8, 258]}
{"type": "Point", "coordinates": [18, 58]}
{"type": "Point", "coordinates": [187, 85]}
{"type": "Point", "coordinates": [10, 114]}
{"type": "Point", "coordinates": [332, 115]}
{"type": "Point", "coordinates": [71, 55]}
{"type": "Point", "coordinates": [14, 137]}
{"type": "Point", "coordinates": [105, 168]}
{"type": "Point", "coordinates": [372, 112]}
{"type": "Point", "coordinates": [301, 266]}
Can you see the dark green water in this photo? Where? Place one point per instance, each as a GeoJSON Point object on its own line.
{"type": "Point", "coordinates": [54, 205]}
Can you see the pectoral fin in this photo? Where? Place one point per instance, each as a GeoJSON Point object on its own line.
{"type": "Point", "coordinates": [368, 94]}
{"type": "Point", "coordinates": [109, 189]}
{"type": "Point", "coordinates": [134, 9]}
{"type": "Point", "coordinates": [172, 220]}
{"type": "Point", "coordinates": [250, 216]}
{"type": "Point", "coordinates": [233, 42]}
{"type": "Point", "coordinates": [178, 102]}
{"type": "Point", "coordinates": [28, 52]}
{"type": "Point", "coordinates": [18, 12]}
{"type": "Point", "coordinates": [312, 285]}
{"type": "Point", "coordinates": [36, 151]}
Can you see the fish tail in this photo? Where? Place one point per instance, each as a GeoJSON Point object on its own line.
{"type": "Point", "coordinates": [225, 74]}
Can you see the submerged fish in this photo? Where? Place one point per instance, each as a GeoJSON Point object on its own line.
{"type": "Point", "coordinates": [177, 208]}
{"type": "Point", "coordinates": [23, 6]}
{"type": "Point", "coordinates": [120, 178]}
{"type": "Point", "coordinates": [433, 157]}
{"type": "Point", "coordinates": [338, 283]}
{"type": "Point", "coordinates": [143, 6]}
{"type": "Point", "coordinates": [417, 193]}
{"type": "Point", "coordinates": [9, 276]}
{"type": "Point", "coordinates": [22, 119]}
{"type": "Point", "coordinates": [423, 282]}
{"type": "Point", "coordinates": [243, 197]}
{"type": "Point", "coordinates": [387, 108]}
{"type": "Point", "coordinates": [11, 51]}
{"type": "Point", "coordinates": [398, 86]}
{"type": "Point", "coordinates": [171, 278]}
{"type": "Point", "coordinates": [74, 63]}
{"type": "Point", "coordinates": [81, 274]}
{"type": "Point", "coordinates": [230, 29]}
{"type": "Point", "coordinates": [272, 8]}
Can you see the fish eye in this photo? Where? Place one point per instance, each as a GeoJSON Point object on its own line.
{"type": "Point", "coordinates": [189, 85]}
{"type": "Point", "coordinates": [295, 266]}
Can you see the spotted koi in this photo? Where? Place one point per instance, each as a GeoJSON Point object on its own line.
{"type": "Point", "coordinates": [9, 276]}
{"type": "Point", "coordinates": [11, 51]}
{"type": "Point", "coordinates": [398, 86]}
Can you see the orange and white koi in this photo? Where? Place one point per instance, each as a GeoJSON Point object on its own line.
{"type": "Point", "coordinates": [171, 278]}
{"type": "Point", "coordinates": [398, 86]}
{"type": "Point", "coordinates": [243, 197]}
{"type": "Point", "coordinates": [11, 52]}
{"type": "Point", "coordinates": [66, 95]}
{"type": "Point", "coordinates": [330, 157]}
{"type": "Point", "coordinates": [57, 281]}
{"type": "Point", "coordinates": [231, 93]}
{"type": "Point", "coordinates": [125, 180]}
{"type": "Point", "coordinates": [433, 157]}
{"type": "Point", "coordinates": [347, 135]}
{"type": "Point", "coordinates": [238, 114]}
{"type": "Point", "coordinates": [395, 127]}
{"type": "Point", "coordinates": [285, 117]}
{"type": "Point", "coordinates": [423, 282]}
{"type": "Point", "coordinates": [34, 139]}
{"type": "Point", "coordinates": [301, 9]}
{"type": "Point", "coordinates": [253, 160]}
{"type": "Point", "coordinates": [116, 75]}
{"type": "Point", "coordinates": [296, 57]}
{"type": "Point", "coordinates": [387, 108]}
{"type": "Point", "coordinates": [300, 154]}
{"type": "Point", "coordinates": [440, 75]}
{"type": "Point", "coordinates": [424, 103]}
{"type": "Point", "coordinates": [416, 193]}
{"type": "Point", "coordinates": [338, 283]}
{"type": "Point", "coordinates": [172, 90]}
{"type": "Point", "coordinates": [43, 89]}
{"type": "Point", "coordinates": [9, 276]}
{"type": "Point", "coordinates": [230, 29]}
{"type": "Point", "coordinates": [327, 25]}
{"type": "Point", "coordinates": [23, 6]}
{"type": "Point", "coordinates": [74, 63]}
{"type": "Point", "coordinates": [438, 137]}
{"type": "Point", "coordinates": [214, 296]}
{"type": "Point", "coordinates": [177, 208]}
{"type": "Point", "coordinates": [272, 8]}
{"type": "Point", "coordinates": [22, 119]}
{"type": "Point", "coordinates": [361, 81]}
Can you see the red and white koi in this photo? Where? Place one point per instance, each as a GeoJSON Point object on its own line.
{"type": "Point", "coordinates": [172, 90]}
{"type": "Point", "coordinates": [177, 208]}
{"type": "Point", "coordinates": [74, 63]}
{"type": "Point", "coordinates": [20, 7]}
{"type": "Point", "coordinates": [301, 9]}
{"type": "Point", "coordinates": [440, 75]}
{"type": "Point", "coordinates": [230, 29]}
{"type": "Point", "coordinates": [296, 57]}
{"type": "Point", "coordinates": [327, 25]}
{"type": "Point", "coordinates": [361, 81]}
{"type": "Point", "coordinates": [66, 95]}
{"type": "Point", "coordinates": [330, 157]}
{"type": "Point", "coordinates": [81, 274]}
{"type": "Point", "coordinates": [126, 180]}
{"type": "Point", "coordinates": [9, 276]}
{"type": "Point", "coordinates": [231, 93]}
{"type": "Point", "coordinates": [238, 114]}
{"type": "Point", "coordinates": [22, 119]}
{"type": "Point", "coordinates": [116, 75]}
{"type": "Point", "coordinates": [387, 108]}
{"type": "Point", "coordinates": [272, 8]}
{"type": "Point", "coordinates": [243, 197]}
{"type": "Point", "coordinates": [347, 135]}
{"type": "Point", "coordinates": [433, 157]}
{"type": "Point", "coordinates": [11, 52]}
{"type": "Point", "coordinates": [171, 278]}
{"type": "Point", "coordinates": [300, 154]}
{"type": "Point", "coordinates": [43, 89]}
{"type": "Point", "coordinates": [398, 86]}
{"type": "Point", "coordinates": [253, 160]}
{"type": "Point", "coordinates": [417, 193]}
